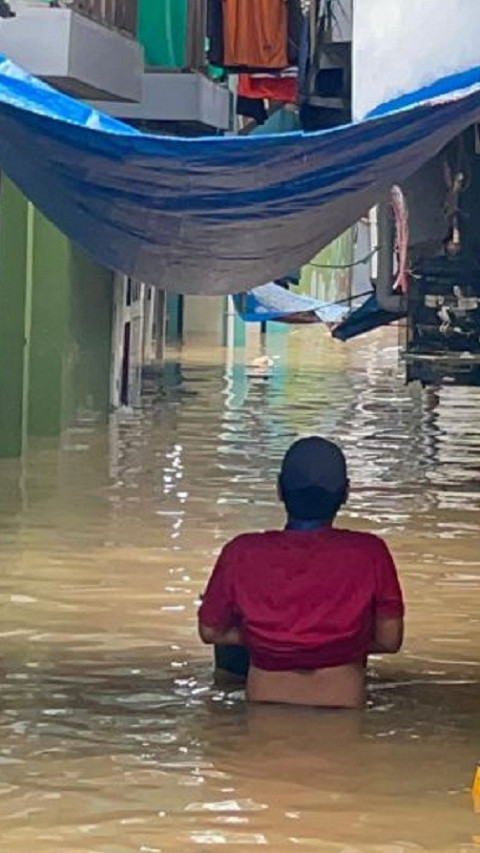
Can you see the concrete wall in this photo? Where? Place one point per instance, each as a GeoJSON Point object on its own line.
{"type": "Point", "coordinates": [205, 317]}
{"type": "Point", "coordinates": [79, 55]}
{"type": "Point", "coordinates": [187, 97]}
{"type": "Point", "coordinates": [400, 46]}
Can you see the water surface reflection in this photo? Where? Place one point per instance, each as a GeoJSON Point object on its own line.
{"type": "Point", "coordinates": [111, 737]}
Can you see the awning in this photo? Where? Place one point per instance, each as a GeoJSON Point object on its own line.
{"type": "Point", "coordinates": [216, 215]}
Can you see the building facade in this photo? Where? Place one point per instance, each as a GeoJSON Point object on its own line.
{"type": "Point", "coordinates": [73, 335]}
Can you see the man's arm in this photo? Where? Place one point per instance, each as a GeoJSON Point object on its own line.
{"type": "Point", "coordinates": [212, 637]}
{"type": "Point", "coordinates": [388, 628]}
{"type": "Point", "coordinates": [217, 618]}
{"type": "Point", "coordinates": [388, 636]}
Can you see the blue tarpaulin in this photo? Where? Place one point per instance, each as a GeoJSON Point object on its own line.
{"type": "Point", "coordinates": [269, 302]}
{"type": "Point", "coordinates": [216, 215]}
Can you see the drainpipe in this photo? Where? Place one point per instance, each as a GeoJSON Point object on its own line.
{"type": "Point", "coordinates": [395, 303]}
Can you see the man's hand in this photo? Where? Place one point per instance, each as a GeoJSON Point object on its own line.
{"type": "Point", "coordinates": [212, 637]}
{"type": "Point", "coordinates": [388, 637]}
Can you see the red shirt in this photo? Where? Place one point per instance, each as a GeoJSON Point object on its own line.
{"type": "Point", "coordinates": [304, 599]}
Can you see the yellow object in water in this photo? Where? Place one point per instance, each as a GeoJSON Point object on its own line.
{"type": "Point", "coordinates": [476, 789]}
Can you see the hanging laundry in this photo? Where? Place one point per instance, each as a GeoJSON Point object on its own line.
{"type": "Point", "coordinates": [324, 72]}
{"type": "Point", "coordinates": [215, 32]}
{"type": "Point", "coordinates": [196, 57]}
{"type": "Point", "coordinates": [162, 29]}
{"type": "Point", "coordinates": [216, 73]}
{"type": "Point", "coordinates": [284, 120]}
{"type": "Point", "coordinates": [304, 59]}
{"type": "Point", "coordinates": [253, 108]}
{"type": "Point", "coordinates": [255, 34]}
{"type": "Point", "coordinates": [295, 28]}
{"type": "Point", "coordinates": [282, 88]}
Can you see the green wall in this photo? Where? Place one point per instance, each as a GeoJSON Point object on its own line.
{"type": "Point", "coordinates": [48, 337]}
{"type": "Point", "coordinates": [162, 29]}
{"type": "Point", "coordinates": [55, 327]}
{"type": "Point", "coordinates": [329, 275]}
{"type": "Point", "coordinates": [87, 368]}
{"type": "Point", "coordinates": [15, 275]}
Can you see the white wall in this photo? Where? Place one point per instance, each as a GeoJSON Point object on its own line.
{"type": "Point", "coordinates": [401, 45]}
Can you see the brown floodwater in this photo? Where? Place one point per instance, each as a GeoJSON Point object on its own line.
{"type": "Point", "coordinates": [112, 738]}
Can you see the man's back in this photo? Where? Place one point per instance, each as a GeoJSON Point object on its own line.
{"type": "Point", "coordinates": [304, 599]}
{"type": "Point", "coordinates": [310, 602]}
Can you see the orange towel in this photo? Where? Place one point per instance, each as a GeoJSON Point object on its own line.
{"type": "Point", "coordinates": [256, 33]}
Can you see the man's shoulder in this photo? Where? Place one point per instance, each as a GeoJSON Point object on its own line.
{"type": "Point", "coordinates": [249, 543]}
{"type": "Point", "coordinates": [258, 539]}
{"type": "Point", "coordinates": [361, 539]}
{"type": "Point", "coordinates": [356, 540]}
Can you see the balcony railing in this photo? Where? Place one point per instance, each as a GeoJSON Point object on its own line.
{"type": "Point", "coordinates": [120, 14]}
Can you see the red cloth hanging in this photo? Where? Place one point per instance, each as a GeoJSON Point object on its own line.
{"type": "Point", "coordinates": [283, 89]}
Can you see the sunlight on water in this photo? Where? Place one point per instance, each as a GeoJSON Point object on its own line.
{"type": "Point", "coordinates": [112, 739]}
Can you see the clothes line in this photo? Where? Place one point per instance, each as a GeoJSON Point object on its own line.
{"type": "Point", "coordinates": [213, 215]}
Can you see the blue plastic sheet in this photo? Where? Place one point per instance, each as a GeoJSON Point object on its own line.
{"type": "Point", "coordinates": [269, 302]}
{"type": "Point", "coordinates": [217, 215]}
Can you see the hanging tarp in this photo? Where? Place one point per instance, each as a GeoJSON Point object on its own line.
{"type": "Point", "coordinates": [270, 302]}
{"type": "Point", "coordinates": [216, 215]}
{"type": "Point", "coordinates": [366, 318]}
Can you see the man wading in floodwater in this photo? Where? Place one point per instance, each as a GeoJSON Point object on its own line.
{"type": "Point", "coordinates": [300, 609]}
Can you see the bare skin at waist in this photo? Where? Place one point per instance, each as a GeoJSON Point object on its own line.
{"type": "Point", "coordinates": [336, 687]}
{"type": "Point", "coordinates": [332, 687]}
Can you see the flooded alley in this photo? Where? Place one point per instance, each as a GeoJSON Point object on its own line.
{"type": "Point", "coordinates": [112, 738]}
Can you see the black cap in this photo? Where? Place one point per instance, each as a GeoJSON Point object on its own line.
{"type": "Point", "coordinates": [314, 463]}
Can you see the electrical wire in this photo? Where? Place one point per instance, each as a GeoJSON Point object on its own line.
{"type": "Point", "coordinates": [349, 299]}
{"type": "Point", "coordinates": [358, 263]}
